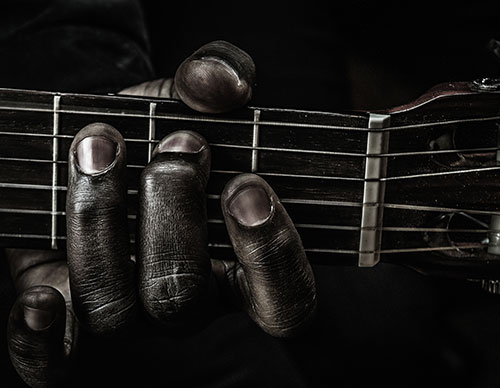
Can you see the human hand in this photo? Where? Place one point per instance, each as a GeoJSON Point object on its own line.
{"type": "Point", "coordinates": [97, 286]}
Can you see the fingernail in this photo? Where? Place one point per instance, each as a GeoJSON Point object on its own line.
{"type": "Point", "coordinates": [181, 142]}
{"type": "Point", "coordinates": [218, 77]}
{"type": "Point", "coordinates": [250, 206]}
{"type": "Point", "coordinates": [95, 154]}
{"type": "Point", "coordinates": [38, 319]}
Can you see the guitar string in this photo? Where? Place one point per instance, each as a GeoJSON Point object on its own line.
{"type": "Point", "coordinates": [307, 250]}
{"type": "Point", "coordinates": [281, 149]}
{"type": "Point", "coordinates": [218, 120]}
{"type": "Point", "coordinates": [307, 151]}
{"type": "Point", "coordinates": [313, 151]}
{"type": "Point", "coordinates": [307, 176]}
{"type": "Point", "coordinates": [298, 201]}
{"type": "Point", "coordinates": [423, 175]}
{"type": "Point", "coordinates": [291, 150]}
{"type": "Point", "coordinates": [298, 225]}
{"type": "Point", "coordinates": [249, 122]}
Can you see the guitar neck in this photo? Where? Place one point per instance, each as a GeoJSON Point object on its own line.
{"type": "Point", "coordinates": [313, 160]}
{"type": "Point", "coordinates": [359, 186]}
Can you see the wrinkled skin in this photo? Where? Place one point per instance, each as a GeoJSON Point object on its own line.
{"type": "Point", "coordinates": [98, 287]}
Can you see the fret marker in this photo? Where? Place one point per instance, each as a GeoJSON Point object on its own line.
{"type": "Point", "coordinates": [255, 140]}
{"type": "Point", "coordinates": [152, 129]}
{"type": "Point", "coordinates": [374, 191]}
{"type": "Point", "coordinates": [55, 157]}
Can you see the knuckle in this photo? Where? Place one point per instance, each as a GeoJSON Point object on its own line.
{"type": "Point", "coordinates": [102, 287]}
{"type": "Point", "coordinates": [104, 311]}
{"type": "Point", "coordinates": [272, 249]}
{"type": "Point", "coordinates": [172, 286]}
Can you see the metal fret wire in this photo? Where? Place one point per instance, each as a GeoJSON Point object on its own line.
{"type": "Point", "coordinates": [55, 157]}
{"type": "Point", "coordinates": [152, 129]}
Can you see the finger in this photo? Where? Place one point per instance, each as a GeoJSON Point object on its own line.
{"type": "Point", "coordinates": [172, 258]}
{"type": "Point", "coordinates": [218, 77]}
{"type": "Point", "coordinates": [101, 272]}
{"type": "Point", "coordinates": [35, 336]}
{"type": "Point", "coordinates": [35, 267]}
{"type": "Point", "coordinates": [157, 88]}
{"type": "Point", "coordinates": [274, 278]}
{"type": "Point", "coordinates": [32, 268]}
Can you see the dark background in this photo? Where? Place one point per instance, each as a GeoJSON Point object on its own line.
{"type": "Point", "coordinates": [387, 325]}
{"type": "Point", "coordinates": [335, 55]}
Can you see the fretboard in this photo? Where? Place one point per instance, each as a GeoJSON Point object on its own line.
{"type": "Point", "coordinates": [357, 185]}
{"type": "Point", "coordinates": [313, 160]}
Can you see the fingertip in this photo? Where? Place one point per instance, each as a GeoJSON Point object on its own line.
{"type": "Point", "coordinates": [97, 148]}
{"type": "Point", "coordinates": [181, 141]}
{"type": "Point", "coordinates": [184, 147]}
{"type": "Point", "coordinates": [35, 335]}
{"type": "Point", "coordinates": [279, 287]}
{"type": "Point", "coordinates": [41, 306]}
{"type": "Point", "coordinates": [249, 200]}
{"type": "Point", "coordinates": [217, 78]}
{"type": "Point", "coordinates": [240, 180]}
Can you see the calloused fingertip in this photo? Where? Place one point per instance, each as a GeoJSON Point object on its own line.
{"type": "Point", "coordinates": [249, 200]}
{"type": "Point", "coordinates": [97, 148]}
{"type": "Point", "coordinates": [218, 77]}
{"type": "Point", "coordinates": [185, 145]}
{"type": "Point", "coordinates": [240, 180]}
{"type": "Point", "coordinates": [181, 141]}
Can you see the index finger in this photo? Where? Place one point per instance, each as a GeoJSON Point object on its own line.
{"type": "Point", "coordinates": [101, 272]}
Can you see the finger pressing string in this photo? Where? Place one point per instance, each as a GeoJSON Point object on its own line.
{"type": "Point", "coordinates": [216, 78]}
{"type": "Point", "coordinates": [172, 257]}
{"type": "Point", "coordinates": [101, 272]}
{"type": "Point", "coordinates": [276, 280]}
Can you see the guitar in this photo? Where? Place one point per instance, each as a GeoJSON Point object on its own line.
{"type": "Point", "coordinates": [416, 185]}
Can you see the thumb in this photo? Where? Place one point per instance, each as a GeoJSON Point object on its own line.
{"type": "Point", "coordinates": [35, 336]}
{"type": "Point", "coordinates": [218, 77]}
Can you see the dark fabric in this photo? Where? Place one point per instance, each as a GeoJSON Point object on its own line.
{"type": "Point", "coordinates": [387, 325]}
{"type": "Point", "coordinates": [77, 45]}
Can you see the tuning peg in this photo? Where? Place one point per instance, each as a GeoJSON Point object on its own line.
{"type": "Point", "coordinates": [486, 84]}
{"type": "Point", "coordinates": [491, 286]}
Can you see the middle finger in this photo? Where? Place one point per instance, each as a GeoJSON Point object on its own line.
{"type": "Point", "coordinates": [172, 258]}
